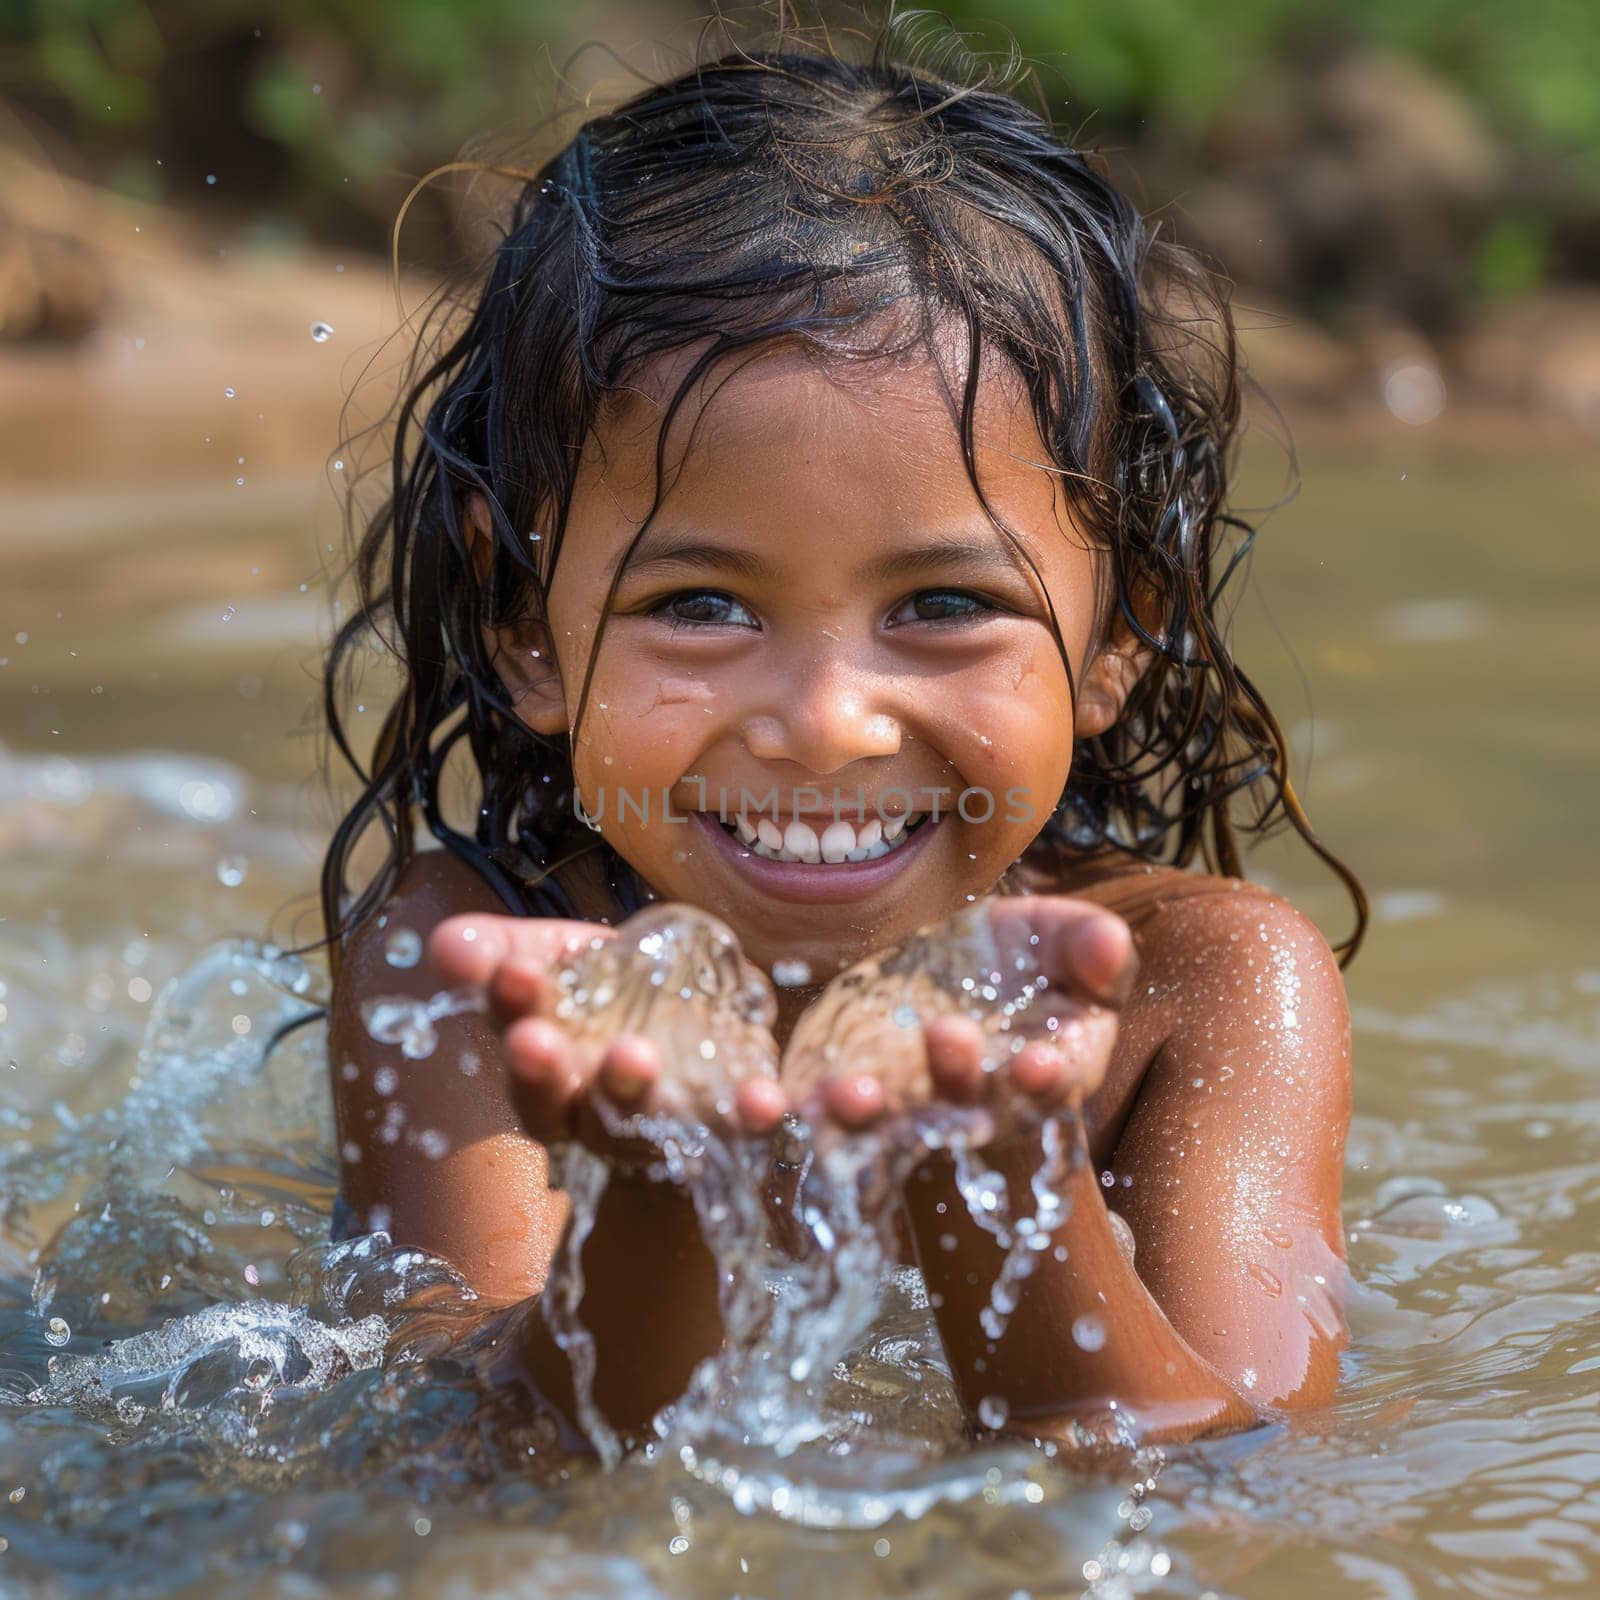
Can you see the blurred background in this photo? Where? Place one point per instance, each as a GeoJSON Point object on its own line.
{"type": "Point", "coordinates": [1422, 177]}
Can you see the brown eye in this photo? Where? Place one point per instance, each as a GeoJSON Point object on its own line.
{"type": "Point", "coordinates": [706, 608]}
{"type": "Point", "coordinates": [942, 605]}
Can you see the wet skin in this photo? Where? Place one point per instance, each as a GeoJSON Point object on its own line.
{"type": "Point", "coordinates": [821, 603]}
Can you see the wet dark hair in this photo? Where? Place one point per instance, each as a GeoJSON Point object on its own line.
{"type": "Point", "coordinates": [795, 195]}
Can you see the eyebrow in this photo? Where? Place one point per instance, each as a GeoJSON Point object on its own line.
{"type": "Point", "coordinates": [664, 551]}
{"type": "Point", "coordinates": [941, 554]}
{"type": "Point", "coordinates": [668, 550]}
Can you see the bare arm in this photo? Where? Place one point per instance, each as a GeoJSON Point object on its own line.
{"type": "Point", "coordinates": [484, 1203]}
{"type": "Point", "coordinates": [1236, 1150]}
{"type": "Point", "coordinates": [649, 1295]}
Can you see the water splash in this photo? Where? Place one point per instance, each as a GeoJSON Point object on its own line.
{"type": "Point", "coordinates": [674, 975]}
{"type": "Point", "coordinates": [803, 1228]}
{"type": "Point", "coordinates": [398, 1019]}
{"type": "Point", "coordinates": [1024, 1239]}
{"type": "Point", "coordinates": [196, 1361]}
{"type": "Point", "coordinates": [982, 965]}
{"type": "Point", "coordinates": [830, 1406]}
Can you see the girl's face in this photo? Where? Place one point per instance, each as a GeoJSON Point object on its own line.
{"type": "Point", "coordinates": [821, 622]}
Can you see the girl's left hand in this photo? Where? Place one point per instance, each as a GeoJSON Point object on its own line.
{"type": "Point", "coordinates": [926, 1024]}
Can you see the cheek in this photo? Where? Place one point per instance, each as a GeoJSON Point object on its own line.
{"type": "Point", "coordinates": [644, 724]}
{"type": "Point", "coordinates": [1012, 725]}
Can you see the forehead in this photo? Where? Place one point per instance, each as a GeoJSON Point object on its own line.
{"type": "Point", "coordinates": [884, 422]}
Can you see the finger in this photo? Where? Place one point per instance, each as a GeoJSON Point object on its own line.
{"type": "Point", "coordinates": [760, 1104]}
{"type": "Point", "coordinates": [1038, 1071]}
{"type": "Point", "coordinates": [467, 949]}
{"type": "Point", "coordinates": [854, 1101]}
{"type": "Point", "coordinates": [519, 988]}
{"type": "Point", "coordinates": [1099, 951]}
{"type": "Point", "coordinates": [630, 1069]}
{"type": "Point", "coordinates": [954, 1048]}
{"type": "Point", "coordinates": [1084, 1044]}
{"type": "Point", "coordinates": [1081, 946]}
{"type": "Point", "coordinates": [543, 1074]}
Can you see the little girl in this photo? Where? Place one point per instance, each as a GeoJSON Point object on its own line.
{"type": "Point", "coordinates": [815, 518]}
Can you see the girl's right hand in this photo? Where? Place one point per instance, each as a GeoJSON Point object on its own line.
{"type": "Point", "coordinates": [559, 1076]}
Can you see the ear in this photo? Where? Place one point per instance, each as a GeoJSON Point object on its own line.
{"type": "Point", "coordinates": [479, 529]}
{"type": "Point", "coordinates": [523, 654]}
{"type": "Point", "coordinates": [525, 660]}
{"type": "Point", "coordinates": [1108, 680]}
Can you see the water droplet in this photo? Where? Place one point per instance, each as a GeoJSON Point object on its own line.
{"type": "Point", "coordinates": [17, 1495]}
{"type": "Point", "coordinates": [229, 392]}
{"type": "Point", "coordinates": [231, 871]}
{"type": "Point", "coordinates": [1269, 1281]}
{"type": "Point", "coordinates": [321, 332]}
{"type": "Point", "coordinates": [403, 948]}
{"type": "Point", "coordinates": [1089, 1332]}
{"type": "Point", "coordinates": [57, 1332]}
{"type": "Point", "coordinates": [791, 974]}
{"type": "Point", "coordinates": [993, 1411]}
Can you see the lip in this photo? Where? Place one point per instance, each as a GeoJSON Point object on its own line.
{"type": "Point", "coordinates": [815, 883]}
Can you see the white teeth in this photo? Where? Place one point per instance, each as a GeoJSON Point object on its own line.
{"type": "Point", "coordinates": [838, 840]}
{"type": "Point", "coordinates": [800, 840]}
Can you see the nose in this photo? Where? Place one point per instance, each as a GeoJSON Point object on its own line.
{"type": "Point", "coordinates": [822, 717]}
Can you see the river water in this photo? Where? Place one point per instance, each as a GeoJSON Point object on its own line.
{"type": "Point", "coordinates": [298, 1422]}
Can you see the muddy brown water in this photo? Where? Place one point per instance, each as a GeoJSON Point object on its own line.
{"type": "Point", "coordinates": [159, 791]}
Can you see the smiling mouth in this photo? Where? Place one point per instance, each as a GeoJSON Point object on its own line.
{"type": "Point", "coordinates": [834, 842]}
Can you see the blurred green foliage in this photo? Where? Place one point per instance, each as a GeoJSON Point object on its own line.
{"type": "Point", "coordinates": [1533, 68]}
{"type": "Point", "coordinates": [321, 111]}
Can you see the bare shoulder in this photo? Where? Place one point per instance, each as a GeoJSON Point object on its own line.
{"type": "Point", "coordinates": [1239, 977]}
{"type": "Point", "coordinates": [1220, 959]}
{"type": "Point", "coordinates": [1186, 923]}
{"type": "Point", "coordinates": [434, 885]}
{"type": "Point", "coordinates": [1204, 927]}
